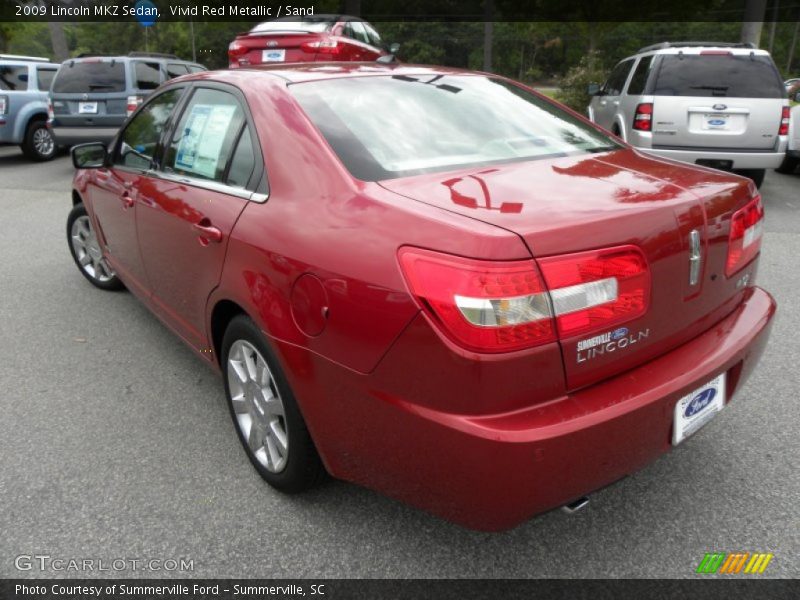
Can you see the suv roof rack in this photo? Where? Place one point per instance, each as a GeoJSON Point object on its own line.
{"type": "Point", "coordinates": [664, 45]}
{"type": "Point", "coordinates": [20, 57]}
{"type": "Point", "coordinates": [152, 55]}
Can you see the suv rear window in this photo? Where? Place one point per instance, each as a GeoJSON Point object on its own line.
{"type": "Point", "coordinates": [90, 76]}
{"type": "Point", "coordinates": [14, 78]}
{"type": "Point", "coordinates": [718, 75]}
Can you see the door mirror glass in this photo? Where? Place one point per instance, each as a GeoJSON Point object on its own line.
{"type": "Point", "coordinates": [89, 156]}
{"type": "Point", "coordinates": [797, 96]}
{"type": "Point", "coordinates": [592, 89]}
{"type": "Point", "coordinates": [394, 48]}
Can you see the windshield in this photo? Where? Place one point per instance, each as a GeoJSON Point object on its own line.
{"type": "Point", "coordinates": [718, 75]}
{"type": "Point", "coordinates": [394, 126]}
{"type": "Point", "coordinates": [90, 76]}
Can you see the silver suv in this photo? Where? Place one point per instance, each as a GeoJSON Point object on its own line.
{"type": "Point", "coordinates": [713, 104]}
{"type": "Point", "coordinates": [24, 84]}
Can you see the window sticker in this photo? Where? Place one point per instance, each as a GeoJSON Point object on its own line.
{"type": "Point", "coordinates": [202, 139]}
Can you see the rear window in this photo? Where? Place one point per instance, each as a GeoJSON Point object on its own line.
{"type": "Point", "coordinates": [303, 26]}
{"type": "Point", "coordinates": [90, 76]}
{"type": "Point", "coordinates": [718, 75]}
{"type": "Point", "coordinates": [388, 127]}
{"type": "Point", "coordinates": [13, 78]}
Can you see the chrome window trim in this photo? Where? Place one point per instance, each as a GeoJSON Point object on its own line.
{"type": "Point", "coordinates": [211, 186]}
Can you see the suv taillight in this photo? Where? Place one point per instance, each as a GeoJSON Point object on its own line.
{"type": "Point", "coordinates": [3, 105]}
{"type": "Point", "coordinates": [133, 104]}
{"type": "Point", "coordinates": [643, 117]}
{"type": "Point", "coordinates": [489, 306]}
{"type": "Point", "coordinates": [51, 114]}
{"type": "Point", "coordinates": [744, 241]}
{"type": "Point", "coordinates": [323, 47]}
{"type": "Point", "coordinates": [784, 126]}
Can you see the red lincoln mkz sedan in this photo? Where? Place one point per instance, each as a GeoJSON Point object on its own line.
{"type": "Point", "coordinates": [434, 283]}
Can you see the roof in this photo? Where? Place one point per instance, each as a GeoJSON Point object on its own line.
{"type": "Point", "coordinates": [300, 72]}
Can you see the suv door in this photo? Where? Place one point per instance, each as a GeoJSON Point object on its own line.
{"type": "Point", "coordinates": [605, 102]}
{"type": "Point", "coordinates": [717, 99]}
{"type": "Point", "coordinates": [190, 205]}
{"type": "Point", "coordinates": [114, 192]}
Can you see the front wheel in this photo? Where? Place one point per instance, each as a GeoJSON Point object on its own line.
{"type": "Point", "coordinates": [39, 143]}
{"type": "Point", "coordinates": [86, 252]}
{"type": "Point", "coordinates": [264, 412]}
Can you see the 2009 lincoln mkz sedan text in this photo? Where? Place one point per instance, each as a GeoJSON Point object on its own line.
{"type": "Point", "coordinates": [434, 283]}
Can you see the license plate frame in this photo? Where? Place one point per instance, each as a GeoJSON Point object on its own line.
{"type": "Point", "coordinates": [696, 409]}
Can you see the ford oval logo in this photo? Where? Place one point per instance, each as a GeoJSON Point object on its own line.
{"type": "Point", "coordinates": [720, 106]}
{"type": "Point", "coordinates": [716, 122]}
{"type": "Point", "coordinates": [699, 402]}
{"type": "Point", "coordinates": [620, 333]}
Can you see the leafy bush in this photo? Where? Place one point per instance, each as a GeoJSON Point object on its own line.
{"type": "Point", "coordinates": [573, 85]}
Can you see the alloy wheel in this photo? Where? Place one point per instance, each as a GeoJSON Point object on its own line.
{"type": "Point", "coordinates": [257, 405]}
{"type": "Point", "coordinates": [43, 142]}
{"type": "Point", "coordinates": [88, 252]}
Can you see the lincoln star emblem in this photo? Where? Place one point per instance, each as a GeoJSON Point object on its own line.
{"type": "Point", "coordinates": [272, 44]}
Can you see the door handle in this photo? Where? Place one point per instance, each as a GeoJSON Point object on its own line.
{"type": "Point", "coordinates": [127, 201]}
{"type": "Point", "coordinates": [208, 233]}
{"type": "Point", "coordinates": [616, 102]}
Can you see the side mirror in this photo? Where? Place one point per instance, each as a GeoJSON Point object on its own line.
{"type": "Point", "coordinates": [592, 89]}
{"type": "Point", "coordinates": [89, 156]}
{"type": "Point", "coordinates": [394, 48]}
{"type": "Point", "coordinates": [797, 96]}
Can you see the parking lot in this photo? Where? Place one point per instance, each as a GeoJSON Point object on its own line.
{"type": "Point", "coordinates": [116, 443]}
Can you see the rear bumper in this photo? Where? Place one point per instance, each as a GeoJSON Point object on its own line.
{"type": "Point", "coordinates": [492, 472]}
{"type": "Point", "coordinates": [739, 160]}
{"type": "Point", "coordinates": [71, 136]}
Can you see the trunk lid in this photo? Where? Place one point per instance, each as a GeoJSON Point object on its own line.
{"type": "Point", "coordinates": [572, 204]}
{"type": "Point", "coordinates": [277, 47]}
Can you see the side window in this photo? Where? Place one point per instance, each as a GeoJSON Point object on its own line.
{"type": "Point", "coordinates": [45, 77]}
{"type": "Point", "coordinates": [373, 36]}
{"type": "Point", "coordinates": [142, 135]}
{"type": "Point", "coordinates": [359, 33]}
{"type": "Point", "coordinates": [243, 161]}
{"type": "Point", "coordinates": [639, 79]}
{"type": "Point", "coordinates": [148, 75]}
{"type": "Point", "coordinates": [14, 78]}
{"type": "Point", "coordinates": [176, 70]}
{"type": "Point", "coordinates": [616, 81]}
{"type": "Point", "coordinates": [204, 138]}
{"type": "Point", "coordinates": [196, 68]}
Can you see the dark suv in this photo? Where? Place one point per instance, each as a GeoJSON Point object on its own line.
{"type": "Point", "coordinates": [93, 95]}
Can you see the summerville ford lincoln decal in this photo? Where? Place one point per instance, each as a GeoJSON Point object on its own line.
{"type": "Point", "coordinates": [611, 341]}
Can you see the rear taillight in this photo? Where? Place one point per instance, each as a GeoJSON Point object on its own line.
{"type": "Point", "coordinates": [51, 114]}
{"type": "Point", "coordinates": [745, 237]}
{"type": "Point", "coordinates": [489, 306]}
{"type": "Point", "coordinates": [597, 289]}
{"type": "Point", "coordinates": [643, 117]}
{"type": "Point", "coordinates": [323, 47]}
{"type": "Point", "coordinates": [133, 104]}
{"type": "Point", "coordinates": [237, 50]}
{"type": "Point", "coordinates": [784, 126]}
{"type": "Point", "coordinates": [3, 105]}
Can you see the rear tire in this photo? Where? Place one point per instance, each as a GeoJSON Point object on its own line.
{"type": "Point", "coordinates": [788, 165]}
{"type": "Point", "coordinates": [757, 175]}
{"type": "Point", "coordinates": [39, 143]}
{"type": "Point", "coordinates": [264, 411]}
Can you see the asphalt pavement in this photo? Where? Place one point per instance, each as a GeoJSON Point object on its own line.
{"type": "Point", "coordinates": [115, 443]}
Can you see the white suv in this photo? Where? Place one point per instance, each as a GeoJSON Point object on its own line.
{"type": "Point", "coordinates": [719, 105]}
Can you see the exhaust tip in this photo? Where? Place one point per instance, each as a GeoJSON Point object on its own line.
{"type": "Point", "coordinates": [576, 505]}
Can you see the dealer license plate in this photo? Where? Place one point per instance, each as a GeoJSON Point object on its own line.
{"type": "Point", "coordinates": [87, 107]}
{"type": "Point", "coordinates": [698, 408]}
{"type": "Point", "coordinates": [273, 55]}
